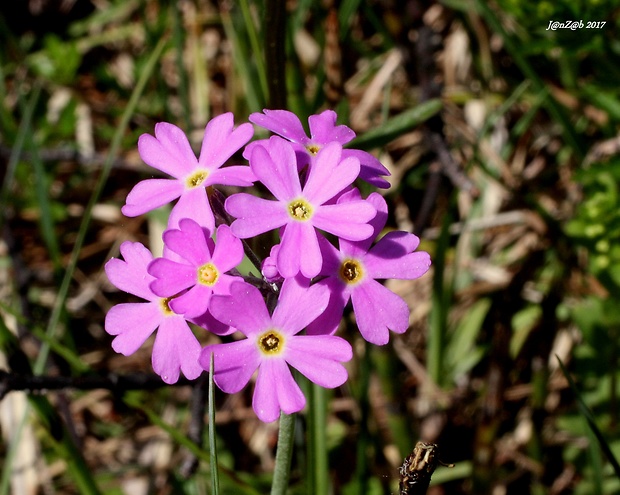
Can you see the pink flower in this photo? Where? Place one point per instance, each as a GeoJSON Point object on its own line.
{"type": "Point", "coordinates": [300, 211]}
{"type": "Point", "coordinates": [273, 344]}
{"type": "Point", "coordinates": [200, 268]}
{"type": "Point", "coordinates": [176, 348]}
{"type": "Point", "coordinates": [323, 130]}
{"type": "Point", "coordinates": [351, 273]}
{"type": "Point", "coordinates": [170, 152]}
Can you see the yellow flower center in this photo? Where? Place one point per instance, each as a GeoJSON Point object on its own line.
{"type": "Point", "coordinates": [313, 149]}
{"type": "Point", "coordinates": [197, 178]}
{"type": "Point", "coordinates": [271, 342]}
{"type": "Point", "coordinates": [300, 210]}
{"type": "Point", "coordinates": [208, 274]}
{"type": "Point", "coordinates": [351, 271]}
{"type": "Point", "coordinates": [164, 302]}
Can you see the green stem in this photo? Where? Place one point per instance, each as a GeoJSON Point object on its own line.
{"type": "Point", "coordinates": [284, 454]}
{"type": "Point", "coordinates": [319, 480]}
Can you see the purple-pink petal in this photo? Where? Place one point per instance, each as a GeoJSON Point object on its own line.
{"type": "Point", "coordinates": [274, 163]}
{"type": "Point", "coordinates": [254, 215]}
{"type": "Point", "coordinates": [221, 141]}
{"type": "Point", "coordinates": [130, 275]}
{"type": "Point", "coordinates": [299, 251]}
{"type": "Point", "coordinates": [323, 128]}
{"type": "Point", "coordinates": [346, 220]}
{"type": "Point", "coordinates": [208, 322]}
{"type": "Point", "coordinates": [370, 167]}
{"type": "Point", "coordinates": [299, 304]}
{"type": "Point", "coordinates": [319, 358]}
{"type": "Point", "coordinates": [276, 391]}
{"type": "Point", "coordinates": [169, 151]}
{"type": "Point", "coordinates": [192, 303]}
{"type": "Point", "coordinates": [234, 363]}
{"type": "Point", "coordinates": [235, 175]}
{"type": "Point", "coordinates": [327, 322]}
{"type": "Point", "coordinates": [391, 257]}
{"type": "Point", "coordinates": [329, 175]}
{"type": "Point", "coordinates": [132, 323]}
{"type": "Point", "coordinates": [176, 349]}
{"type": "Point", "coordinates": [150, 194]}
{"type": "Point", "coordinates": [171, 277]}
{"type": "Point", "coordinates": [377, 311]}
{"type": "Point", "coordinates": [228, 251]}
{"type": "Point", "coordinates": [281, 122]}
{"type": "Point", "coordinates": [190, 241]}
{"type": "Point", "coordinates": [244, 309]}
{"type": "Point", "coordinates": [193, 204]}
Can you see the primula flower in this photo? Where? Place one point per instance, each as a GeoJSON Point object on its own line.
{"type": "Point", "coordinates": [200, 266]}
{"type": "Point", "coordinates": [300, 211]}
{"type": "Point", "coordinates": [273, 344]}
{"type": "Point", "coordinates": [323, 130]}
{"type": "Point", "coordinates": [176, 348]}
{"type": "Point", "coordinates": [351, 273]}
{"type": "Point", "coordinates": [170, 152]}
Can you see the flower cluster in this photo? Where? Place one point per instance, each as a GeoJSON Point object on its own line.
{"type": "Point", "coordinates": [196, 281]}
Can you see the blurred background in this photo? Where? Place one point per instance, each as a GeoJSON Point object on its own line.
{"type": "Point", "coordinates": [500, 129]}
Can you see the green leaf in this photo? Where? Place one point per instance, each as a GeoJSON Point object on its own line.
{"type": "Point", "coordinates": [395, 126]}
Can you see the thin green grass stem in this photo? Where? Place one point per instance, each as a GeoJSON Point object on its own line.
{"type": "Point", "coordinates": [440, 307]}
{"type": "Point", "coordinates": [256, 46]}
{"type": "Point", "coordinates": [589, 417]}
{"type": "Point", "coordinates": [363, 439]}
{"type": "Point", "coordinates": [284, 454]}
{"type": "Point", "coordinates": [318, 475]}
{"type": "Point", "coordinates": [215, 477]}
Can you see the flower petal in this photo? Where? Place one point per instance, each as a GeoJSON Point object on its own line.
{"type": "Point", "coordinates": [171, 277]}
{"type": "Point", "coordinates": [299, 304]}
{"type": "Point", "coordinates": [276, 391]}
{"type": "Point", "coordinates": [130, 275]}
{"type": "Point", "coordinates": [169, 151]}
{"type": "Point", "coordinates": [281, 122]}
{"type": "Point", "coordinates": [192, 303]}
{"type": "Point", "coordinates": [220, 141]}
{"type": "Point", "coordinates": [176, 349]}
{"type": "Point", "coordinates": [391, 257]}
{"type": "Point", "coordinates": [327, 322]}
{"type": "Point", "coordinates": [193, 204]}
{"type": "Point", "coordinates": [324, 130]}
{"type": "Point", "coordinates": [377, 311]}
{"type": "Point", "coordinates": [234, 363]}
{"type": "Point", "coordinates": [190, 241]}
{"type": "Point", "coordinates": [370, 167]}
{"type": "Point", "coordinates": [235, 175]}
{"type": "Point", "coordinates": [150, 194]}
{"type": "Point", "coordinates": [228, 251]}
{"type": "Point", "coordinates": [358, 249]}
{"type": "Point", "coordinates": [329, 175]}
{"type": "Point", "coordinates": [254, 215]}
{"type": "Point", "coordinates": [346, 220]}
{"type": "Point", "coordinates": [132, 323]}
{"type": "Point", "coordinates": [291, 258]}
{"type": "Point", "coordinates": [319, 358]}
{"type": "Point", "coordinates": [208, 322]}
{"type": "Point", "coordinates": [274, 163]}
{"type": "Point", "coordinates": [244, 309]}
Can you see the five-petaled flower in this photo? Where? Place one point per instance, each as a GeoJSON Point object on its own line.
{"type": "Point", "coordinates": [273, 344]}
{"type": "Point", "coordinates": [323, 130]}
{"type": "Point", "coordinates": [175, 348]}
{"type": "Point", "coordinates": [300, 211]}
{"type": "Point", "coordinates": [201, 270]}
{"type": "Point", "coordinates": [170, 152]}
{"type": "Point", "coordinates": [351, 272]}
